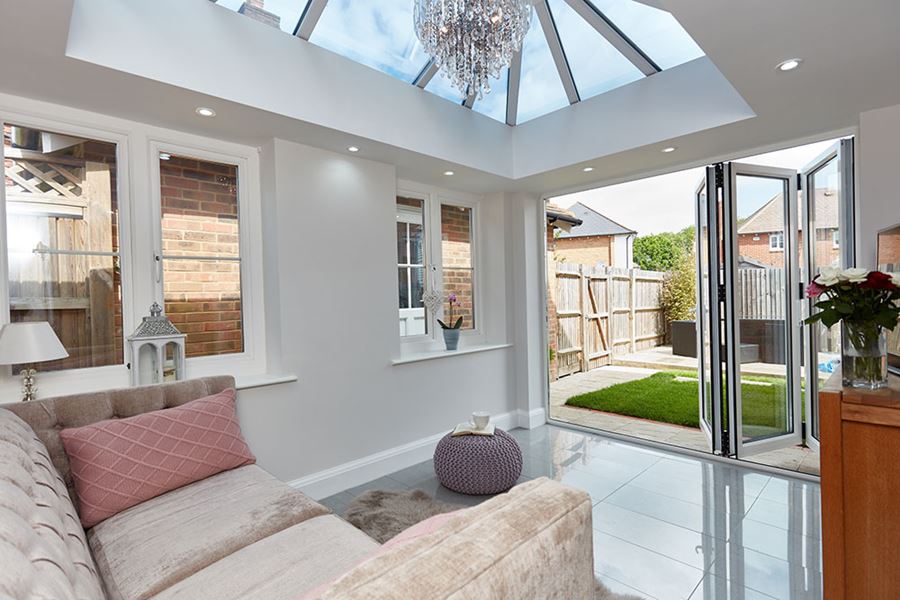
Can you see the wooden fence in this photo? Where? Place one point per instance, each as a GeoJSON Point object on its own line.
{"type": "Point", "coordinates": [602, 312]}
{"type": "Point", "coordinates": [762, 293]}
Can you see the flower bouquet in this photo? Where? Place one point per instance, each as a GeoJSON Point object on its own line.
{"type": "Point", "coordinates": [866, 304]}
{"type": "Point", "coordinates": [451, 328]}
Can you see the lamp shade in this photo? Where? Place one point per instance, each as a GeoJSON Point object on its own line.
{"type": "Point", "coordinates": [29, 342]}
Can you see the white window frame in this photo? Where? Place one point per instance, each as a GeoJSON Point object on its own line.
{"type": "Point", "coordinates": [87, 378]}
{"type": "Point", "coordinates": [426, 252]}
{"type": "Point", "coordinates": [776, 235]}
{"type": "Point", "coordinates": [433, 198]}
{"type": "Point", "coordinates": [137, 168]}
{"type": "Point", "coordinates": [252, 358]}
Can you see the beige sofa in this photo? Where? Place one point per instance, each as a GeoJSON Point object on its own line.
{"type": "Point", "coordinates": [244, 534]}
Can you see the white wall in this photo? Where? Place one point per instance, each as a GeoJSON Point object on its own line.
{"type": "Point", "coordinates": [330, 223]}
{"type": "Point", "coordinates": [878, 204]}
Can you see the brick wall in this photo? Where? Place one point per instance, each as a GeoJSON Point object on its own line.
{"type": "Point", "coordinates": [758, 250]}
{"type": "Point", "coordinates": [889, 248]}
{"type": "Point", "coordinates": [456, 250]}
{"type": "Point", "coordinates": [200, 218]}
{"type": "Point", "coordinates": [590, 250]}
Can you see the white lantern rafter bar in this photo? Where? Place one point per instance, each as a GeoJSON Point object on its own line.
{"type": "Point", "coordinates": [472, 41]}
{"type": "Point", "coordinates": [157, 350]}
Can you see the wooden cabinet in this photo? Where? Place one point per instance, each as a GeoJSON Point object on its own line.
{"type": "Point", "coordinates": [860, 459]}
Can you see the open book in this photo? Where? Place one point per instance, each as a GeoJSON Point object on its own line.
{"type": "Point", "coordinates": [470, 429]}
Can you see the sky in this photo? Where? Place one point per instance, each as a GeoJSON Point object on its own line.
{"type": "Point", "coordinates": [666, 202]}
{"type": "Point", "coordinates": [380, 34]}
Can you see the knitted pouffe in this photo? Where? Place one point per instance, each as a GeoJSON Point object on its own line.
{"type": "Point", "coordinates": [478, 464]}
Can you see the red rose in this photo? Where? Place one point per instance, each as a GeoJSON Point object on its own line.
{"type": "Point", "coordinates": [876, 280]}
{"type": "Point", "coordinates": [813, 290]}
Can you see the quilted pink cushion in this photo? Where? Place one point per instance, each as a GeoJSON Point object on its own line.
{"type": "Point", "coordinates": [119, 463]}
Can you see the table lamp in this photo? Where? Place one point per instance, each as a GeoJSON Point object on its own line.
{"type": "Point", "coordinates": [28, 343]}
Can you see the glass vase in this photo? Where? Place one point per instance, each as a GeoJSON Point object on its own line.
{"type": "Point", "coordinates": [864, 355]}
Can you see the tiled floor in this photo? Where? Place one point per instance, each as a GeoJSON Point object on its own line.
{"type": "Point", "coordinates": [794, 458]}
{"type": "Point", "coordinates": [667, 526]}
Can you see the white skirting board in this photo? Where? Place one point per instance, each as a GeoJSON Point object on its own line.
{"type": "Point", "coordinates": [337, 479]}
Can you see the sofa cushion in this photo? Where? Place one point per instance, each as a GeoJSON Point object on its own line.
{"type": "Point", "coordinates": [154, 545]}
{"type": "Point", "coordinates": [119, 463]}
{"type": "Point", "coordinates": [43, 553]}
{"type": "Point", "coordinates": [281, 566]}
{"type": "Point", "coordinates": [47, 417]}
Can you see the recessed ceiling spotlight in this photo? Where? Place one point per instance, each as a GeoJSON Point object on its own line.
{"type": "Point", "coordinates": [789, 64]}
{"type": "Point", "coordinates": [205, 112]}
{"type": "Point", "coordinates": [449, 173]}
{"type": "Point", "coordinates": [588, 169]}
{"type": "Point", "coordinates": [352, 149]}
{"type": "Point", "coordinates": [669, 149]}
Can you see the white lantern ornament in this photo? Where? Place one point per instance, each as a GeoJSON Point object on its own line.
{"type": "Point", "coordinates": [157, 350]}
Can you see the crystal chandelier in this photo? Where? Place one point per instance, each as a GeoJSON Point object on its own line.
{"type": "Point", "coordinates": [472, 41]}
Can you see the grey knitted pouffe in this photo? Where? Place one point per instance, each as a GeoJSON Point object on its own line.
{"type": "Point", "coordinates": [478, 464]}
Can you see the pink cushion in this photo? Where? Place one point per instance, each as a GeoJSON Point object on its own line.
{"type": "Point", "coordinates": [420, 529]}
{"type": "Point", "coordinates": [119, 463]}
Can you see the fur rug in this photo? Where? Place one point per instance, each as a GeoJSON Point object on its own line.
{"type": "Point", "coordinates": [382, 515]}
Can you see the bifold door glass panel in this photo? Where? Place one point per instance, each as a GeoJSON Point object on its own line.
{"type": "Point", "coordinates": [825, 208]}
{"type": "Point", "coordinates": [411, 266]}
{"type": "Point", "coordinates": [201, 253]}
{"type": "Point", "coordinates": [62, 242]}
{"type": "Point", "coordinates": [762, 296]}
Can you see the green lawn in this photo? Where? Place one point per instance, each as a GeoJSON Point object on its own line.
{"type": "Point", "coordinates": [660, 398]}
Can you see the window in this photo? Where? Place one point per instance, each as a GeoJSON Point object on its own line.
{"type": "Point", "coordinates": [835, 238]}
{"type": "Point", "coordinates": [201, 254]}
{"type": "Point", "coordinates": [776, 241]}
{"type": "Point", "coordinates": [411, 266]}
{"type": "Point", "coordinates": [435, 256]}
{"type": "Point", "coordinates": [458, 273]}
{"type": "Point", "coordinates": [62, 218]}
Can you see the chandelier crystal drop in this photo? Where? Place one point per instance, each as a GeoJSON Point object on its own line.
{"type": "Point", "coordinates": [472, 41]}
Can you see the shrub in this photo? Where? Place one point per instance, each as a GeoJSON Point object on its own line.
{"type": "Point", "coordinates": [678, 296]}
{"type": "Point", "coordinates": [662, 251]}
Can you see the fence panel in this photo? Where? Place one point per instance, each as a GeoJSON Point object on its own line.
{"type": "Point", "coordinates": [602, 312]}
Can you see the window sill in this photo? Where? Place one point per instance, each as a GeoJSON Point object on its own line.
{"type": "Point", "coordinates": [246, 382]}
{"type": "Point", "coordinates": [433, 354]}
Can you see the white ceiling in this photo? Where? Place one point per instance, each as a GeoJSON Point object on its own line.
{"type": "Point", "coordinates": [851, 57]}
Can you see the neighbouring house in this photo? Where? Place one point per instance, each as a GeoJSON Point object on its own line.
{"type": "Point", "coordinates": [597, 239]}
{"type": "Point", "coordinates": [761, 236]}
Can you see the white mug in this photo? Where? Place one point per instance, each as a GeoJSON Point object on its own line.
{"type": "Point", "coordinates": [481, 419]}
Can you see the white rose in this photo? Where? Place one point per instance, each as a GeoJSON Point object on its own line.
{"type": "Point", "coordinates": [854, 275]}
{"type": "Point", "coordinates": [827, 276]}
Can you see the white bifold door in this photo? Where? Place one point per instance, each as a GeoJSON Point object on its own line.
{"type": "Point", "coordinates": [759, 238]}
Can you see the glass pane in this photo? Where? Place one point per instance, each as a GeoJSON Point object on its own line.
{"type": "Point", "coordinates": [596, 66]}
{"type": "Point", "coordinates": [410, 266]}
{"type": "Point", "coordinates": [203, 300]}
{"type": "Point", "coordinates": [378, 34]}
{"type": "Point", "coordinates": [61, 202]}
{"type": "Point", "coordinates": [201, 253]}
{"type": "Point", "coordinates": [540, 91]}
{"type": "Point", "coordinates": [441, 86]}
{"type": "Point", "coordinates": [284, 14]}
{"type": "Point", "coordinates": [494, 104]}
{"type": "Point", "coordinates": [824, 212]}
{"type": "Point", "coordinates": [403, 287]}
{"type": "Point", "coordinates": [654, 31]}
{"type": "Point", "coordinates": [456, 252]}
{"type": "Point", "coordinates": [761, 303]}
{"type": "Point", "coordinates": [705, 371]}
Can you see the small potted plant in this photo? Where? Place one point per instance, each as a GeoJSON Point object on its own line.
{"type": "Point", "coordinates": [451, 328]}
{"type": "Point", "coordinates": [866, 304]}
